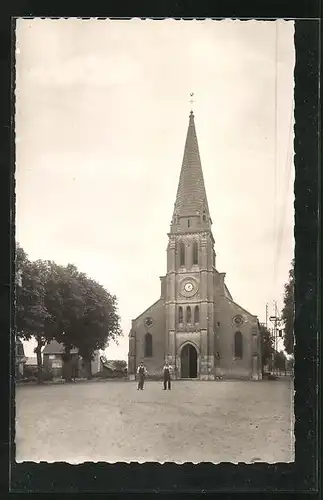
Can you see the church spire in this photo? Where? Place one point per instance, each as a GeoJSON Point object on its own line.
{"type": "Point", "coordinates": [191, 200]}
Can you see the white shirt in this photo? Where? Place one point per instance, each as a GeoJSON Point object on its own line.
{"type": "Point", "coordinates": [145, 371]}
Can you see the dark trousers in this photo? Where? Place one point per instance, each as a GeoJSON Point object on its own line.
{"type": "Point", "coordinates": [141, 382]}
{"type": "Point", "coordinates": [167, 383]}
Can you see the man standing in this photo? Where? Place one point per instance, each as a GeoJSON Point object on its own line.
{"type": "Point", "coordinates": [167, 381]}
{"type": "Point", "coordinates": [142, 372]}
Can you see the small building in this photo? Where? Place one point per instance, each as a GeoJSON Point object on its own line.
{"type": "Point", "coordinates": [53, 361]}
{"type": "Point", "coordinates": [20, 359]}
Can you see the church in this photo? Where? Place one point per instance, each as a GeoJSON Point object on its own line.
{"type": "Point", "coordinates": [195, 324]}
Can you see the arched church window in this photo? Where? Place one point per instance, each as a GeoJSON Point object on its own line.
{"type": "Point", "coordinates": [148, 345]}
{"type": "Point", "coordinates": [180, 314]}
{"type": "Point", "coordinates": [188, 315]}
{"type": "Point", "coordinates": [195, 252]}
{"type": "Point", "coordinates": [238, 345]}
{"type": "Point", "coordinates": [181, 254]}
{"type": "Point", "coordinates": [196, 314]}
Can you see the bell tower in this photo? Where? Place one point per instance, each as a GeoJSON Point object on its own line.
{"type": "Point", "coordinates": [189, 292]}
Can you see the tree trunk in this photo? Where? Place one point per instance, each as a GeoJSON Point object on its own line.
{"type": "Point", "coordinates": [39, 360]}
{"type": "Point", "coordinates": [88, 368]}
{"type": "Point", "coordinates": [68, 365]}
{"type": "Point", "coordinates": [89, 373]}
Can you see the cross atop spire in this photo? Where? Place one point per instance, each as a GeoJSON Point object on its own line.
{"type": "Point", "coordinates": [191, 101]}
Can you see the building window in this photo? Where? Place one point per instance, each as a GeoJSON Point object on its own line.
{"type": "Point", "coordinates": [238, 347]}
{"type": "Point", "coordinates": [148, 345]}
{"type": "Point", "coordinates": [188, 222]}
{"type": "Point", "coordinates": [181, 254]}
{"type": "Point", "coordinates": [188, 315]}
{"type": "Point", "coordinates": [180, 314]}
{"type": "Point", "coordinates": [196, 314]}
{"type": "Point", "coordinates": [195, 252]}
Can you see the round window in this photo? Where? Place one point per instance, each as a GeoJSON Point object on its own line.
{"type": "Point", "coordinates": [148, 322]}
{"type": "Point", "coordinates": [238, 320]}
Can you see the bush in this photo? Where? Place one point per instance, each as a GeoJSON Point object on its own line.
{"type": "Point", "coordinates": [47, 376]}
{"type": "Point", "coordinates": [30, 371]}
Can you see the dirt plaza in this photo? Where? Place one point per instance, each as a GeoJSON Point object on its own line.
{"type": "Point", "coordinates": [225, 421]}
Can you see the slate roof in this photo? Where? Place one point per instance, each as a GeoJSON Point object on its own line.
{"type": "Point", "coordinates": [191, 193]}
{"type": "Point", "coordinates": [55, 347]}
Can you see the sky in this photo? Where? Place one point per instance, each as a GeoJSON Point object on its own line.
{"type": "Point", "coordinates": [102, 111]}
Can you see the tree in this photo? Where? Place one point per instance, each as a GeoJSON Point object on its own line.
{"type": "Point", "coordinates": [288, 312]}
{"type": "Point", "coordinates": [31, 312]}
{"type": "Point", "coordinates": [266, 344]}
{"type": "Point", "coordinates": [280, 360]}
{"type": "Point", "coordinates": [20, 269]}
{"type": "Point", "coordinates": [83, 313]}
{"type": "Point", "coordinates": [66, 306]}
{"type": "Point", "coordinates": [58, 302]}
{"type": "Point", "coordinates": [99, 323]}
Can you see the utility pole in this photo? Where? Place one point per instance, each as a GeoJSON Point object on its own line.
{"type": "Point", "coordinates": [267, 315]}
{"type": "Point", "coordinates": [276, 320]}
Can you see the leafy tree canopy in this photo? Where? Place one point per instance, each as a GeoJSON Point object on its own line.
{"type": "Point", "coordinates": [288, 312]}
{"type": "Point", "coordinates": [266, 344]}
{"type": "Point", "coordinates": [61, 303]}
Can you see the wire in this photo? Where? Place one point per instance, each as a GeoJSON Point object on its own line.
{"type": "Point", "coordinates": [287, 176]}
{"type": "Point", "coordinates": [275, 148]}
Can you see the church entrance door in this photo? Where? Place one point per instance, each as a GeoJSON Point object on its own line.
{"type": "Point", "coordinates": [188, 362]}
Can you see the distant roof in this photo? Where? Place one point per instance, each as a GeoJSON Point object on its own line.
{"type": "Point", "coordinates": [55, 347]}
{"type": "Point", "coordinates": [31, 361]}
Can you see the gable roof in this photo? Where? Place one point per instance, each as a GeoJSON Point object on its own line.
{"type": "Point", "coordinates": [55, 347]}
{"type": "Point", "coordinates": [242, 308]}
{"type": "Point", "coordinates": [226, 292]}
{"type": "Point", "coordinates": [146, 310]}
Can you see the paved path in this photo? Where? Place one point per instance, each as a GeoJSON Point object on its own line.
{"type": "Point", "coordinates": [232, 421]}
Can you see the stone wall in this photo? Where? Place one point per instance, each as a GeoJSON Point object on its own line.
{"type": "Point", "coordinates": [228, 365]}
{"type": "Point", "coordinates": [154, 364]}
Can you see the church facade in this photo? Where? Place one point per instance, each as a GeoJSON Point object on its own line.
{"type": "Point", "coordinates": [195, 324]}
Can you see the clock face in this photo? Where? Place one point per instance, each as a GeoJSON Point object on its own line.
{"type": "Point", "coordinates": [188, 286]}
